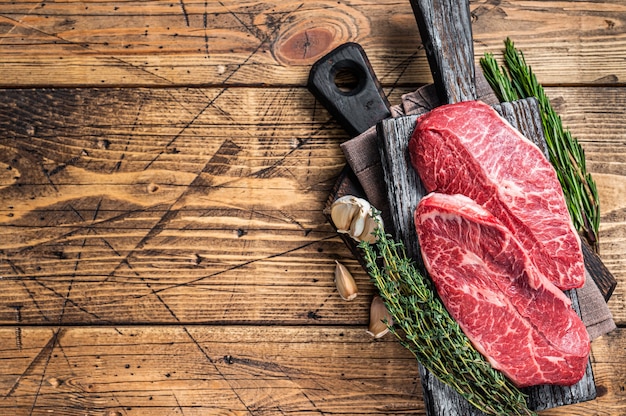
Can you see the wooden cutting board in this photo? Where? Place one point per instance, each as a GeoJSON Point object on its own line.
{"type": "Point", "coordinates": [445, 29]}
{"type": "Point", "coordinates": [405, 191]}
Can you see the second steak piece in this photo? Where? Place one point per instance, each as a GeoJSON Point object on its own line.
{"type": "Point", "coordinates": [467, 148]}
{"type": "Point", "coordinates": [522, 323]}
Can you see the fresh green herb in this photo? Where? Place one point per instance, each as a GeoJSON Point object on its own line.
{"type": "Point", "coordinates": [497, 79]}
{"type": "Point", "coordinates": [425, 328]}
{"type": "Point", "coordinates": [516, 80]}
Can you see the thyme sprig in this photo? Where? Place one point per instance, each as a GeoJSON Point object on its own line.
{"type": "Point", "coordinates": [425, 328]}
{"type": "Point", "coordinates": [515, 80]}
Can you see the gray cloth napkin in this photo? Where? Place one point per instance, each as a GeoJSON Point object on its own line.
{"type": "Point", "coordinates": [363, 157]}
{"type": "Point", "coordinates": [593, 309]}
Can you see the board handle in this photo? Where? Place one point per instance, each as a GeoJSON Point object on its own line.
{"type": "Point", "coordinates": [446, 30]}
{"type": "Point", "coordinates": [357, 107]}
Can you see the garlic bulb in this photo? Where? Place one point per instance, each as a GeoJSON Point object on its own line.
{"type": "Point", "coordinates": [354, 216]}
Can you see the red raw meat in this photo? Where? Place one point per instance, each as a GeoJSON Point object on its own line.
{"type": "Point", "coordinates": [467, 148]}
{"type": "Point", "coordinates": [521, 322]}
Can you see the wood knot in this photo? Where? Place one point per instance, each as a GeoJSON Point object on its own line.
{"type": "Point", "coordinates": [305, 47]}
{"type": "Point", "coordinates": [309, 34]}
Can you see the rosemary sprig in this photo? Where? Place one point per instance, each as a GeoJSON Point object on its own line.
{"type": "Point", "coordinates": [516, 80]}
{"type": "Point", "coordinates": [426, 329]}
{"type": "Point", "coordinates": [497, 79]}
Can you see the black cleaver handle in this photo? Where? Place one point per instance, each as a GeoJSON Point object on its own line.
{"type": "Point", "coordinates": [446, 30]}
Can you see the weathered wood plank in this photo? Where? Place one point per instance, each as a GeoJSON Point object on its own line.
{"type": "Point", "coordinates": [133, 43]}
{"type": "Point", "coordinates": [137, 197]}
{"type": "Point", "coordinates": [205, 370]}
{"type": "Point", "coordinates": [205, 205]}
{"type": "Point", "coordinates": [235, 370]}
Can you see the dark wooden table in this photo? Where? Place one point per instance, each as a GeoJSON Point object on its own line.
{"type": "Point", "coordinates": [163, 170]}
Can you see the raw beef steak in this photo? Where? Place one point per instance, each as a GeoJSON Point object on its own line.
{"type": "Point", "coordinates": [467, 148]}
{"type": "Point", "coordinates": [521, 322]}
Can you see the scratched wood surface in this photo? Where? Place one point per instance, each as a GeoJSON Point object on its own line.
{"type": "Point", "coordinates": [232, 42]}
{"type": "Point", "coordinates": [162, 175]}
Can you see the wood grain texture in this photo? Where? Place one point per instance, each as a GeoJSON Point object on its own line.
{"type": "Point", "coordinates": [445, 29]}
{"type": "Point", "coordinates": [258, 43]}
{"type": "Point", "coordinates": [160, 197]}
{"type": "Point", "coordinates": [162, 244]}
{"type": "Point", "coordinates": [217, 370]}
{"type": "Point", "coordinates": [166, 199]}
{"type": "Point", "coordinates": [205, 370]}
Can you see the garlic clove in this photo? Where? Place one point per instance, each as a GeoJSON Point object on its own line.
{"type": "Point", "coordinates": [368, 229]}
{"type": "Point", "coordinates": [358, 224]}
{"type": "Point", "coordinates": [346, 285]}
{"type": "Point", "coordinates": [342, 212]}
{"type": "Point", "coordinates": [380, 318]}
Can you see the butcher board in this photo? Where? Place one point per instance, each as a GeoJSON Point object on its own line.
{"type": "Point", "coordinates": [405, 191]}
